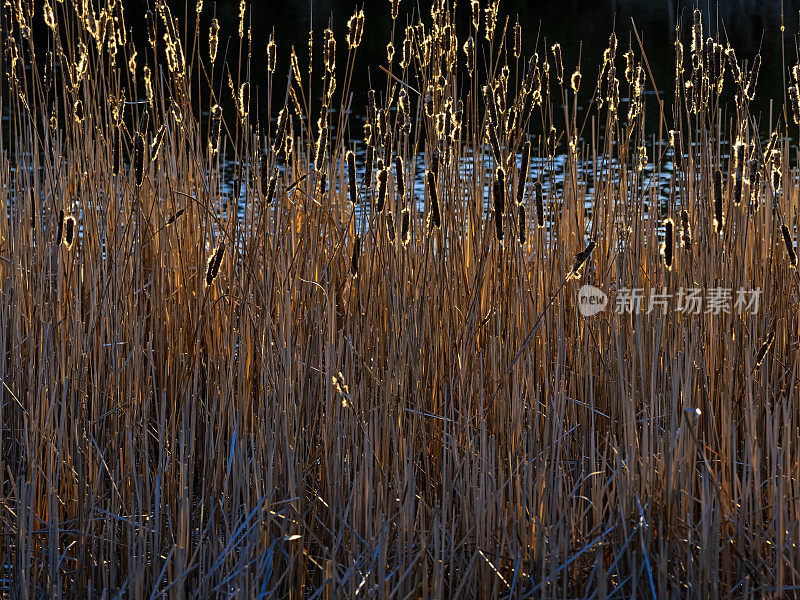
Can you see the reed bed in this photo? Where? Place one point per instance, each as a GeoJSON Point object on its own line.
{"type": "Point", "coordinates": [239, 362]}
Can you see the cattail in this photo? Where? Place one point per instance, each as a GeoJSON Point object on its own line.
{"type": "Point", "coordinates": [381, 201]}
{"type": "Point", "coordinates": [697, 33]}
{"type": "Point", "coordinates": [395, 8]}
{"type": "Point", "coordinates": [273, 183]}
{"type": "Point", "coordinates": [750, 88]}
{"type": "Point", "coordinates": [139, 158]}
{"type": "Point", "coordinates": [469, 52]}
{"type": "Point", "coordinates": [60, 229]}
{"type": "Point", "coordinates": [216, 124]}
{"type": "Point", "coordinates": [390, 226]}
{"type": "Point", "coordinates": [523, 172]}
{"type": "Point", "coordinates": [550, 143]}
{"type": "Point", "coordinates": [738, 164]}
{"type": "Point", "coordinates": [351, 176]}
{"type": "Point", "coordinates": [521, 224]}
{"type": "Point", "coordinates": [677, 151]}
{"type": "Point", "coordinates": [787, 240]}
{"type": "Point", "coordinates": [405, 226]}
{"type": "Point", "coordinates": [244, 100]}
{"type": "Point", "coordinates": [771, 146]}
{"type": "Point", "coordinates": [754, 177]}
{"type": "Point", "coordinates": [213, 40]}
{"type": "Point", "coordinates": [79, 114]}
{"type": "Point", "coordinates": [765, 347]}
{"type": "Point", "coordinates": [517, 39]}
{"type": "Point", "coordinates": [355, 29]}
{"type": "Point", "coordinates": [718, 200]}
{"type": "Point", "coordinates": [435, 159]}
{"type": "Point", "coordinates": [69, 231]}
{"type": "Point", "coordinates": [322, 184]}
{"type": "Point", "coordinates": [538, 196]}
{"type": "Point", "coordinates": [151, 27]}
{"type": "Point", "coordinates": [175, 217]}
{"type": "Point", "coordinates": [668, 246]}
{"type": "Point", "coordinates": [794, 101]}
{"type": "Point", "coordinates": [777, 178]}
{"type": "Point", "coordinates": [576, 81]}
{"type": "Point", "coordinates": [271, 55]}
{"type": "Point", "coordinates": [341, 389]}
{"type": "Point", "coordinates": [435, 216]}
{"type": "Point", "coordinates": [399, 177]}
{"type": "Point", "coordinates": [214, 262]}
{"type": "Point", "coordinates": [686, 229]}
{"type": "Point", "coordinates": [494, 143]}
{"type": "Point", "coordinates": [499, 196]}
{"type": "Point", "coordinates": [280, 135]}
{"type": "Point", "coordinates": [356, 256]}
{"type": "Point", "coordinates": [559, 65]}
{"type": "Point", "coordinates": [580, 258]}
{"type": "Point", "coordinates": [156, 145]}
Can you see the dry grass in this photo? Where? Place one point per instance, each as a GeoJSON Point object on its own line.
{"type": "Point", "coordinates": [202, 401]}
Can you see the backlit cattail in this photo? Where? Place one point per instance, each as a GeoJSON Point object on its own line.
{"type": "Point", "coordinates": [794, 101]}
{"type": "Point", "coordinates": [517, 39]}
{"type": "Point", "coordinates": [771, 146]}
{"type": "Point", "coordinates": [697, 34]}
{"type": "Point", "coordinates": [556, 48]}
{"type": "Point", "coordinates": [351, 177]}
{"type": "Point", "coordinates": [538, 197]}
{"type": "Point", "coordinates": [355, 29]}
{"type": "Point", "coordinates": [521, 233]}
{"type": "Point", "coordinates": [69, 231]}
{"type": "Point", "coordinates": [341, 389]}
{"type": "Point", "coordinates": [216, 123]}
{"type": "Point", "coordinates": [271, 52]}
{"type": "Point", "coordinates": [765, 347]}
{"type": "Point", "coordinates": [150, 23]}
{"type": "Point", "coordinates": [523, 172]}
{"type": "Point", "coordinates": [754, 177]}
{"type": "Point", "coordinates": [78, 112]}
{"type": "Point", "coordinates": [175, 217]}
{"type": "Point", "coordinates": [390, 226]}
{"type": "Point", "coordinates": [214, 262]}
{"type": "Point", "coordinates": [576, 81]}
{"type": "Point", "coordinates": [244, 100]}
{"type": "Point", "coordinates": [279, 141]}
{"type": "Point", "coordinates": [668, 247]}
{"type": "Point", "coordinates": [750, 88]}
{"type": "Point", "coordinates": [400, 181]}
{"type": "Point", "coordinates": [60, 228]}
{"type": "Point", "coordinates": [355, 256]}
{"type": "Point", "coordinates": [322, 184]}
{"type": "Point", "coordinates": [395, 8]}
{"type": "Point", "coordinates": [405, 226]}
{"type": "Point", "coordinates": [269, 194]}
{"type": "Point", "coordinates": [686, 229]}
{"type": "Point", "coordinates": [139, 150]}
{"type": "Point", "coordinates": [677, 151]}
{"type": "Point", "coordinates": [580, 258]}
{"type": "Point", "coordinates": [718, 200]}
{"type": "Point", "coordinates": [213, 40]}
{"type": "Point", "coordinates": [389, 53]}
{"type": "Point", "coordinates": [738, 164]}
{"type": "Point", "coordinates": [787, 241]}
{"type": "Point", "coordinates": [499, 198]}
{"type": "Point", "coordinates": [157, 141]}
{"type": "Point", "coordinates": [381, 200]}
{"type": "Point", "coordinates": [435, 215]}
{"type": "Point", "coordinates": [469, 51]}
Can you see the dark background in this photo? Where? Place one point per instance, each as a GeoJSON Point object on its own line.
{"type": "Point", "coordinates": [581, 26]}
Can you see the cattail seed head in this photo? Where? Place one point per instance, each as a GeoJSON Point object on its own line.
{"type": "Point", "coordinates": [580, 258]}
{"type": "Point", "coordinates": [718, 200]}
{"type": "Point", "coordinates": [686, 230]}
{"type": "Point", "coordinates": [787, 241]}
{"type": "Point", "coordinates": [738, 161]}
{"type": "Point", "coordinates": [498, 195]}
{"type": "Point", "coordinates": [214, 262]}
{"type": "Point", "coordinates": [523, 172]}
{"type": "Point", "coordinates": [517, 39]}
{"type": "Point", "coordinates": [60, 228]}
{"type": "Point", "coordinates": [435, 215]}
{"type": "Point", "coordinates": [405, 226]}
{"type": "Point", "coordinates": [216, 124]}
{"type": "Point", "coordinates": [764, 348]}
{"type": "Point", "coordinates": [538, 197]}
{"type": "Point", "coordinates": [390, 226]}
{"type": "Point", "coordinates": [521, 233]}
{"type": "Point", "coordinates": [668, 247]}
{"type": "Point", "coordinates": [556, 48]}
{"type": "Point", "coordinates": [355, 29]}
{"type": "Point", "coordinates": [69, 231]}
{"type": "Point", "coordinates": [213, 40]}
{"type": "Point", "coordinates": [576, 81]}
{"type": "Point", "coordinates": [381, 200]}
{"type": "Point", "coordinates": [355, 256]}
{"type": "Point", "coordinates": [399, 177]}
{"type": "Point", "coordinates": [351, 177]}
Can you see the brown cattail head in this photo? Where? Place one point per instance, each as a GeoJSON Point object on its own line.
{"type": "Point", "coordinates": [279, 140]}
{"type": "Point", "coordinates": [523, 172]}
{"type": "Point", "coordinates": [214, 262]}
{"type": "Point", "coordinates": [738, 165]}
{"type": "Point", "coordinates": [765, 347]}
{"type": "Point", "coordinates": [718, 200]}
{"type": "Point", "coordinates": [435, 216]}
{"type": "Point", "coordinates": [213, 40]}
{"type": "Point", "coordinates": [538, 197]}
{"type": "Point", "coordinates": [686, 230]}
{"type": "Point", "coordinates": [60, 229]}
{"type": "Point", "coordinates": [498, 194]}
{"type": "Point", "coordinates": [69, 231]}
{"type": "Point", "coordinates": [405, 226]}
{"type": "Point", "coordinates": [400, 181]}
{"type": "Point", "coordinates": [787, 241]}
{"type": "Point", "coordinates": [580, 258]}
{"type": "Point", "coordinates": [216, 123]}
{"type": "Point", "coordinates": [390, 226]}
{"type": "Point", "coordinates": [521, 233]}
{"type": "Point", "coordinates": [356, 256]}
{"type": "Point", "coordinates": [351, 177]}
{"type": "Point", "coordinates": [556, 48]}
{"type": "Point", "coordinates": [755, 183]}
{"type": "Point", "coordinates": [273, 183]}
{"type": "Point", "coordinates": [139, 159]}
{"type": "Point", "coordinates": [175, 217]}
{"type": "Point", "coordinates": [752, 81]}
{"type": "Point", "coordinates": [322, 184]}
{"type": "Point", "coordinates": [668, 247]}
{"type": "Point", "coordinates": [383, 176]}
